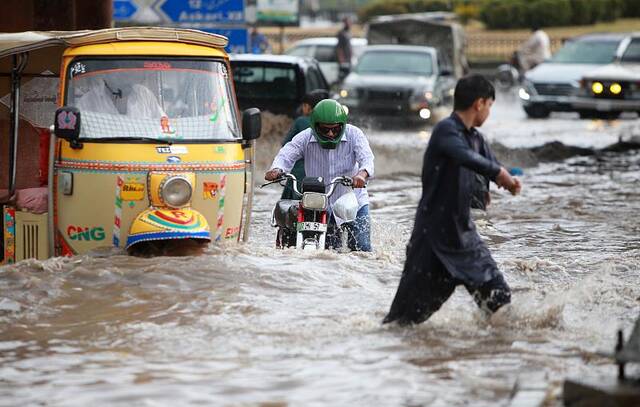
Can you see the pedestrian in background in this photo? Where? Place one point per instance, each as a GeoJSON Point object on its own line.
{"type": "Point", "coordinates": [445, 250]}
{"type": "Point", "coordinates": [343, 49]}
{"type": "Point", "coordinates": [534, 50]}
{"type": "Point", "coordinates": [258, 43]}
{"type": "Point", "coordinates": [302, 122]}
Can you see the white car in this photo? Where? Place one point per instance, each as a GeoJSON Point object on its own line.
{"type": "Point", "coordinates": [324, 50]}
{"type": "Point", "coordinates": [554, 85]}
{"type": "Point", "coordinates": [613, 88]}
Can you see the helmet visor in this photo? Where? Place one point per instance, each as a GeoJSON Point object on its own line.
{"type": "Point", "coordinates": [330, 131]}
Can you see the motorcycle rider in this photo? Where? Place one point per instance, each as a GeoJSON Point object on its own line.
{"type": "Point", "coordinates": [331, 148]}
{"type": "Point", "coordinates": [309, 101]}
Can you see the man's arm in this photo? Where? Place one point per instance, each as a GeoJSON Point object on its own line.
{"type": "Point", "coordinates": [452, 145]}
{"type": "Point", "coordinates": [449, 142]}
{"type": "Point", "coordinates": [288, 155]}
{"type": "Point", "coordinates": [364, 157]}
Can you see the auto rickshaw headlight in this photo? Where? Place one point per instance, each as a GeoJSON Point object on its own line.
{"type": "Point", "coordinates": [615, 88]}
{"type": "Point", "coordinates": [176, 191]}
{"type": "Point", "coordinates": [597, 87]}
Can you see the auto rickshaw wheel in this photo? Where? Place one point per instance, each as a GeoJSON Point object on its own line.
{"type": "Point", "coordinates": [168, 247]}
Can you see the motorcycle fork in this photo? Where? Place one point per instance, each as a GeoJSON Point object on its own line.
{"type": "Point", "coordinates": [320, 236]}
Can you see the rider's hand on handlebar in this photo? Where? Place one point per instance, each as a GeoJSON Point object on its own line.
{"type": "Point", "coordinates": [360, 180]}
{"type": "Point", "coordinates": [273, 174]}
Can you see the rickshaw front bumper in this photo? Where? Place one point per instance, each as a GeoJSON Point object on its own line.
{"type": "Point", "coordinates": [163, 224]}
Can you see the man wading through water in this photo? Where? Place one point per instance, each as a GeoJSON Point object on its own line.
{"type": "Point", "coordinates": [445, 250]}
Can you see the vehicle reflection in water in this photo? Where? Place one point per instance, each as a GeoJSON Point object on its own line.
{"type": "Point", "coordinates": [249, 324]}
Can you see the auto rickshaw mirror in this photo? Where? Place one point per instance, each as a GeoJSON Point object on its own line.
{"type": "Point", "coordinates": [67, 125]}
{"type": "Point", "coordinates": [251, 123]}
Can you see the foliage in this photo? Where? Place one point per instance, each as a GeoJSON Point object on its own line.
{"type": "Point", "coordinates": [550, 13]}
{"type": "Point", "coordinates": [385, 7]}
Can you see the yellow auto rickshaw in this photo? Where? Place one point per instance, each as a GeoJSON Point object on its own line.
{"type": "Point", "coordinates": [125, 137]}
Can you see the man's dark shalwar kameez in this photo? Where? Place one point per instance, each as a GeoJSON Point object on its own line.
{"type": "Point", "coordinates": [445, 249]}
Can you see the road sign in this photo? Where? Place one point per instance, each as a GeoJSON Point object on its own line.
{"type": "Point", "coordinates": [123, 10]}
{"type": "Point", "coordinates": [201, 11]}
{"type": "Point", "coordinates": [238, 38]}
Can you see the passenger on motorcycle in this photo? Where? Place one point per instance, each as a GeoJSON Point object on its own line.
{"type": "Point", "coordinates": [332, 148]}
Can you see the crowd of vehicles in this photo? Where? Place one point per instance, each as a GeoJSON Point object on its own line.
{"type": "Point", "coordinates": [149, 148]}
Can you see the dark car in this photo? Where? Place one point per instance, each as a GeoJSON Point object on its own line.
{"type": "Point", "coordinates": [275, 83]}
{"type": "Point", "coordinates": [405, 82]}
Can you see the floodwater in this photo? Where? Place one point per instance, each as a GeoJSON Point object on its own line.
{"type": "Point", "coordinates": [248, 325]}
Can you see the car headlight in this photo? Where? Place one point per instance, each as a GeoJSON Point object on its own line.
{"type": "Point", "coordinates": [176, 191]}
{"type": "Point", "coordinates": [597, 87]}
{"type": "Point", "coordinates": [615, 88]}
{"type": "Point", "coordinates": [314, 200]}
{"type": "Point", "coordinates": [347, 92]}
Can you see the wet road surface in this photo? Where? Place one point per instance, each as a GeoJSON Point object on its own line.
{"type": "Point", "coordinates": [247, 325]}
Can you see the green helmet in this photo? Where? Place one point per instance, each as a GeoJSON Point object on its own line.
{"type": "Point", "coordinates": [324, 116]}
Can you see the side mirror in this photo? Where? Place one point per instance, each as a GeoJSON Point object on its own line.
{"type": "Point", "coordinates": [67, 125]}
{"type": "Point", "coordinates": [251, 124]}
{"type": "Point", "coordinates": [446, 72]}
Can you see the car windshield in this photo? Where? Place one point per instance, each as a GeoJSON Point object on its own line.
{"type": "Point", "coordinates": [163, 99]}
{"type": "Point", "coordinates": [586, 52]}
{"type": "Point", "coordinates": [632, 53]}
{"type": "Point", "coordinates": [397, 62]}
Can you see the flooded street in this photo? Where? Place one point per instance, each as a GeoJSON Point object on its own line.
{"type": "Point", "coordinates": [248, 325]}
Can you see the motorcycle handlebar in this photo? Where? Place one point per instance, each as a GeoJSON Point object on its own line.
{"type": "Point", "coordinates": [283, 177]}
{"type": "Point", "coordinates": [344, 180]}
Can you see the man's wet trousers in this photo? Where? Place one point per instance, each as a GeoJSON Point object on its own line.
{"type": "Point", "coordinates": [426, 284]}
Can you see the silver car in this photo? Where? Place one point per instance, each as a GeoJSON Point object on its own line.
{"type": "Point", "coordinates": [554, 84]}
{"type": "Point", "coordinates": [405, 82]}
{"type": "Point", "coordinates": [323, 49]}
{"type": "Point", "coordinates": [614, 88]}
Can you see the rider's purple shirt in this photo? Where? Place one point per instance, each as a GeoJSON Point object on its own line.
{"type": "Point", "coordinates": [352, 155]}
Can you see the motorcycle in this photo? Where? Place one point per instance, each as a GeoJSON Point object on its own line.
{"type": "Point", "coordinates": [510, 74]}
{"type": "Point", "coordinates": [303, 223]}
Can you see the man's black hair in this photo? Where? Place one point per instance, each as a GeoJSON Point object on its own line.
{"type": "Point", "coordinates": [471, 88]}
{"type": "Point", "coordinates": [313, 97]}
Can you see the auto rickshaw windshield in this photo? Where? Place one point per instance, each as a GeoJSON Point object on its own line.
{"type": "Point", "coordinates": [168, 99]}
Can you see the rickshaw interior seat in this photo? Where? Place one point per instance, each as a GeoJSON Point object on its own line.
{"type": "Point", "coordinates": [31, 163]}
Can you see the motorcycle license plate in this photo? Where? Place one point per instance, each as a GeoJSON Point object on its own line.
{"type": "Point", "coordinates": [312, 227]}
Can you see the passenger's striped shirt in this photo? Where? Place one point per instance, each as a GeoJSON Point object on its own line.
{"type": "Point", "coordinates": [352, 155]}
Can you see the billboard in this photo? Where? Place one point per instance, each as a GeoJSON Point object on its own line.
{"type": "Point", "coordinates": [278, 12]}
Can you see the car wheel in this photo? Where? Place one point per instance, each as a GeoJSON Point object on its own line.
{"type": "Point", "coordinates": [588, 114]}
{"type": "Point", "coordinates": [537, 111]}
{"type": "Point", "coordinates": [609, 115]}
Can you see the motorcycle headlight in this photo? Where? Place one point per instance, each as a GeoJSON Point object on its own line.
{"type": "Point", "coordinates": [314, 200]}
{"type": "Point", "coordinates": [176, 191]}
